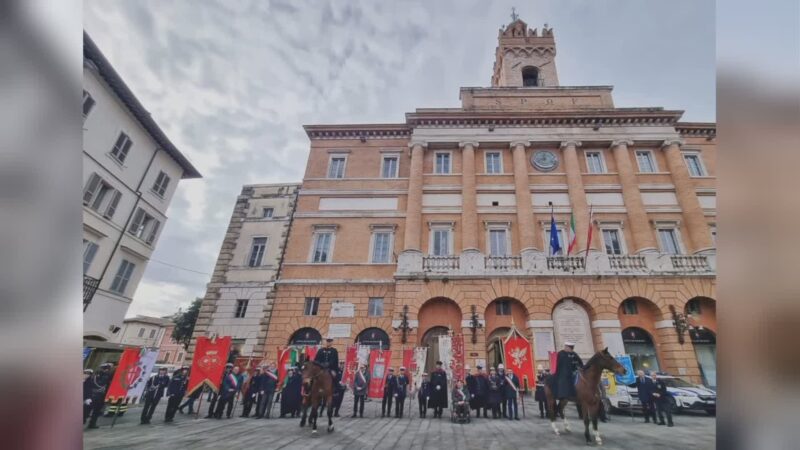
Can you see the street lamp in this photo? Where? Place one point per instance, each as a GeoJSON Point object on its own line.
{"type": "Point", "coordinates": [404, 324]}
{"type": "Point", "coordinates": [682, 323]}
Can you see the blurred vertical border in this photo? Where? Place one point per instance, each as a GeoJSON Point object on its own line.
{"type": "Point", "coordinates": [758, 82]}
{"type": "Point", "coordinates": [40, 224]}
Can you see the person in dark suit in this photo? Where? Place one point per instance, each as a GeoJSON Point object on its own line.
{"type": "Point", "coordinates": [266, 393]}
{"type": "Point", "coordinates": [511, 393]}
{"type": "Point", "coordinates": [98, 383]}
{"type": "Point", "coordinates": [424, 395]}
{"type": "Point", "coordinates": [495, 395]}
{"type": "Point", "coordinates": [539, 394]}
{"type": "Point", "coordinates": [438, 396]}
{"type": "Point", "coordinates": [400, 393]}
{"type": "Point", "coordinates": [175, 391]}
{"type": "Point", "coordinates": [250, 396]}
{"type": "Point", "coordinates": [213, 397]}
{"type": "Point", "coordinates": [645, 387]}
{"type": "Point", "coordinates": [389, 392]}
{"type": "Point", "coordinates": [482, 381]}
{"type": "Point", "coordinates": [360, 385]}
{"type": "Point", "coordinates": [472, 386]}
{"type": "Point", "coordinates": [231, 385]}
{"type": "Point", "coordinates": [87, 394]}
{"type": "Point", "coordinates": [153, 391]}
{"type": "Point", "coordinates": [662, 397]}
{"type": "Point", "coordinates": [291, 398]}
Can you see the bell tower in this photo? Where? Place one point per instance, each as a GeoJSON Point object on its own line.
{"type": "Point", "coordinates": [524, 58]}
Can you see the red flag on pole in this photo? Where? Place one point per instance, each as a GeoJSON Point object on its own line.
{"type": "Point", "coordinates": [127, 372]}
{"type": "Point", "coordinates": [378, 363]}
{"type": "Point", "coordinates": [350, 364]}
{"type": "Point", "coordinates": [457, 363]}
{"type": "Point", "coordinates": [589, 237]}
{"type": "Point", "coordinates": [519, 356]}
{"type": "Point", "coordinates": [210, 356]}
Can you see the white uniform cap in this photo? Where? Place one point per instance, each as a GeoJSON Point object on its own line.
{"type": "Point", "coordinates": [500, 366]}
{"type": "Point", "coordinates": [569, 344]}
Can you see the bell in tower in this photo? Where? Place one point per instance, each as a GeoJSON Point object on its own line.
{"type": "Point", "coordinates": [524, 58]}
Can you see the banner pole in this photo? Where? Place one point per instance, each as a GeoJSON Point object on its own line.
{"type": "Point", "coordinates": [116, 413]}
{"type": "Point", "coordinates": [200, 403]}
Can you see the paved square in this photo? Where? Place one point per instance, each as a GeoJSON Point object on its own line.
{"type": "Point", "coordinates": [690, 431]}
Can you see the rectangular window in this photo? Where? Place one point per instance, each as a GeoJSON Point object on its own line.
{"type": "Point", "coordinates": [694, 164]}
{"type": "Point", "coordinates": [257, 250]}
{"type": "Point", "coordinates": [645, 160]}
{"type": "Point", "coordinates": [122, 277]}
{"type": "Point", "coordinates": [375, 307]}
{"type": "Point", "coordinates": [561, 242]}
{"type": "Point", "coordinates": [144, 226]}
{"type": "Point", "coordinates": [381, 247]}
{"type": "Point", "coordinates": [390, 165]}
{"type": "Point", "coordinates": [503, 308]}
{"type": "Point", "coordinates": [266, 213]}
{"type": "Point", "coordinates": [494, 162]}
{"type": "Point", "coordinates": [594, 162]}
{"type": "Point", "coordinates": [121, 147]}
{"type": "Point", "coordinates": [693, 307]}
{"type": "Point", "coordinates": [141, 332]}
{"type": "Point", "coordinates": [101, 196]}
{"type": "Point", "coordinates": [152, 334]}
{"type": "Point", "coordinates": [89, 250]}
{"type": "Point", "coordinates": [160, 186]}
{"type": "Point", "coordinates": [630, 308]}
{"type": "Point", "coordinates": [336, 169]}
{"type": "Point", "coordinates": [241, 308]}
{"type": "Point", "coordinates": [441, 243]}
{"type": "Point", "coordinates": [322, 247]}
{"type": "Point", "coordinates": [498, 242]}
{"type": "Point", "coordinates": [612, 241]}
{"type": "Point", "coordinates": [311, 306]}
{"type": "Point", "coordinates": [88, 104]}
{"type": "Point", "coordinates": [669, 241]}
{"type": "Point", "coordinates": [442, 162]}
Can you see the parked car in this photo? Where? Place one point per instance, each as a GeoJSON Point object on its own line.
{"type": "Point", "coordinates": [685, 397]}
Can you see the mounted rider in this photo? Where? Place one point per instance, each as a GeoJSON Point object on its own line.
{"type": "Point", "coordinates": [567, 364]}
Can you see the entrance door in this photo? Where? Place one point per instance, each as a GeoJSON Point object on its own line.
{"type": "Point", "coordinates": [431, 340]}
{"type": "Point", "coordinates": [494, 347]}
{"type": "Point", "coordinates": [705, 348]}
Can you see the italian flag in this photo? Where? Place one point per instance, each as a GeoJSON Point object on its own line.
{"type": "Point", "coordinates": [573, 242]}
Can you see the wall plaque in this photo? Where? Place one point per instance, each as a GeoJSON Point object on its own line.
{"type": "Point", "coordinates": [343, 309]}
{"type": "Point", "coordinates": [572, 324]}
{"type": "Point", "coordinates": [339, 330]}
{"type": "Point", "coordinates": [543, 342]}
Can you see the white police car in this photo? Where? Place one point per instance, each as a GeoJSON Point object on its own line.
{"type": "Point", "coordinates": [685, 396]}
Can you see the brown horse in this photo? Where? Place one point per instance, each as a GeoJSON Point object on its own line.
{"type": "Point", "coordinates": [317, 387]}
{"type": "Point", "coordinates": [587, 389]}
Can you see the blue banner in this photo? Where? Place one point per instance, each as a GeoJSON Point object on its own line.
{"type": "Point", "coordinates": [86, 352]}
{"type": "Point", "coordinates": [630, 375]}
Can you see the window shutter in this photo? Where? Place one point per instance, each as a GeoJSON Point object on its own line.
{"type": "Point", "coordinates": [137, 221]}
{"type": "Point", "coordinates": [112, 206]}
{"type": "Point", "coordinates": [91, 188]}
{"type": "Point", "coordinates": [153, 232]}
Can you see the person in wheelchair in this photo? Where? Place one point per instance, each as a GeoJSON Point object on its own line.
{"type": "Point", "coordinates": [461, 401]}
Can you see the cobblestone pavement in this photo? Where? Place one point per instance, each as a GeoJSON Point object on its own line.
{"type": "Point", "coordinates": [690, 431]}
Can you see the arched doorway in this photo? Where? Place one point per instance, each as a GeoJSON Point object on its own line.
{"type": "Point", "coordinates": [705, 348]}
{"type": "Point", "coordinates": [571, 323]}
{"type": "Point", "coordinates": [431, 340]}
{"type": "Point", "coordinates": [375, 338]}
{"type": "Point", "coordinates": [305, 336]}
{"type": "Point", "coordinates": [494, 347]}
{"type": "Point", "coordinates": [639, 345]}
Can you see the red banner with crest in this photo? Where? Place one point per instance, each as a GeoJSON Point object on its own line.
{"type": "Point", "coordinates": [210, 357]}
{"type": "Point", "coordinates": [350, 364]}
{"type": "Point", "coordinates": [518, 356]}
{"type": "Point", "coordinates": [378, 366]}
{"type": "Point", "coordinates": [127, 372]}
{"type": "Point", "coordinates": [457, 363]}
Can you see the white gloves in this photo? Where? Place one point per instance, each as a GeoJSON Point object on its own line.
{"type": "Point", "coordinates": [88, 401]}
{"type": "Point", "coordinates": [438, 388]}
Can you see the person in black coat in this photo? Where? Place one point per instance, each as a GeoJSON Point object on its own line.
{"type": "Point", "coordinates": [291, 397]}
{"type": "Point", "coordinates": [482, 380]}
{"type": "Point", "coordinates": [472, 387]}
{"type": "Point", "coordinates": [662, 399]}
{"type": "Point", "coordinates": [438, 396]}
{"type": "Point", "coordinates": [424, 395]}
{"type": "Point", "coordinates": [267, 386]}
{"type": "Point", "coordinates": [511, 393]}
{"type": "Point", "coordinates": [231, 385]}
{"type": "Point", "coordinates": [645, 387]}
{"type": "Point", "coordinates": [539, 395]}
{"type": "Point", "coordinates": [389, 392]}
{"type": "Point", "coordinates": [213, 397]}
{"type": "Point", "coordinates": [250, 397]}
{"type": "Point", "coordinates": [98, 385]}
{"type": "Point", "coordinates": [87, 394]}
{"type": "Point", "coordinates": [328, 357]}
{"type": "Point", "coordinates": [175, 391]}
{"type": "Point", "coordinates": [153, 391]}
{"type": "Point", "coordinates": [501, 376]}
{"type": "Point", "coordinates": [567, 364]}
{"type": "Point", "coordinates": [360, 386]}
{"type": "Point", "coordinates": [495, 395]}
{"type": "Point", "coordinates": [400, 393]}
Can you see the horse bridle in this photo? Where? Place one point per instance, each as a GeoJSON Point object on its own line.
{"type": "Point", "coordinates": [312, 383]}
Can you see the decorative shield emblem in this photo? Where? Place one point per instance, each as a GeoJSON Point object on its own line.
{"type": "Point", "coordinates": [209, 360]}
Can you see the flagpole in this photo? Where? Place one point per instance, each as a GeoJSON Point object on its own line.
{"type": "Point", "coordinates": [588, 237]}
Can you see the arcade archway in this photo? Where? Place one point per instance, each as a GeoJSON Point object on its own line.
{"type": "Point", "coordinates": [639, 345]}
{"type": "Point", "coordinates": [305, 336]}
{"type": "Point", "coordinates": [431, 340]}
{"type": "Point", "coordinates": [375, 338]}
{"type": "Point", "coordinates": [494, 347]}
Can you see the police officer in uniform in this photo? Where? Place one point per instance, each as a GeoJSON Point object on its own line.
{"type": "Point", "coordinates": [423, 395]}
{"type": "Point", "coordinates": [328, 357]}
{"type": "Point", "coordinates": [153, 391]}
{"type": "Point", "coordinates": [389, 393]}
{"type": "Point", "coordinates": [438, 400]}
{"type": "Point", "coordinates": [567, 364]}
{"type": "Point", "coordinates": [662, 398]}
{"type": "Point", "coordinates": [213, 397]}
{"type": "Point", "coordinates": [400, 394]}
{"type": "Point", "coordinates": [98, 386]}
{"type": "Point", "coordinates": [175, 391]}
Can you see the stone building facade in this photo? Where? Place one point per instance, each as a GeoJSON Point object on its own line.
{"type": "Point", "coordinates": [239, 298]}
{"type": "Point", "coordinates": [406, 231]}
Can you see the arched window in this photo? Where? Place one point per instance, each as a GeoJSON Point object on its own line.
{"type": "Point", "coordinates": [639, 345]}
{"type": "Point", "coordinates": [374, 337]}
{"type": "Point", "coordinates": [530, 76]}
{"type": "Point", "coordinates": [305, 336]}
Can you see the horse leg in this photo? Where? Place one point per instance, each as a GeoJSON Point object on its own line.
{"type": "Point", "coordinates": [586, 432]}
{"type": "Point", "coordinates": [551, 413]}
{"type": "Point", "coordinates": [561, 405]}
{"type": "Point", "coordinates": [303, 419]}
{"type": "Point", "coordinates": [313, 418]}
{"type": "Point", "coordinates": [597, 438]}
{"type": "Point", "coordinates": [330, 415]}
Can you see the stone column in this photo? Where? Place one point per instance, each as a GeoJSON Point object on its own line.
{"type": "Point", "coordinates": [643, 237]}
{"type": "Point", "coordinates": [696, 224]}
{"type": "Point", "coordinates": [525, 221]}
{"type": "Point", "coordinates": [577, 195]}
{"type": "Point", "coordinates": [411, 240]}
{"type": "Point", "coordinates": [469, 203]}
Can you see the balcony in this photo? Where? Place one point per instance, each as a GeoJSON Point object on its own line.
{"type": "Point", "coordinates": [89, 287]}
{"type": "Point", "coordinates": [472, 263]}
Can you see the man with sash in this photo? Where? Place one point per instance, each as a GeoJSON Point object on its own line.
{"type": "Point", "coordinates": [360, 387]}
{"type": "Point", "coordinates": [213, 397]}
{"type": "Point", "coordinates": [231, 385]}
{"type": "Point", "coordinates": [511, 394]}
{"type": "Point", "coordinates": [153, 391]}
{"type": "Point", "coordinates": [175, 391]}
{"type": "Point", "coordinates": [266, 395]}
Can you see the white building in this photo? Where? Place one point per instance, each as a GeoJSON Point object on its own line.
{"type": "Point", "coordinates": [130, 173]}
{"type": "Point", "coordinates": [143, 331]}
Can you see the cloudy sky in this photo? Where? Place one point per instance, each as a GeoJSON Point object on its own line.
{"type": "Point", "coordinates": [232, 83]}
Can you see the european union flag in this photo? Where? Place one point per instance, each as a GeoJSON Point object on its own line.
{"type": "Point", "coordinates": [555, 247]}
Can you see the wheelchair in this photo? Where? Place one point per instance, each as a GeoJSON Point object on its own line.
{"type": "Point", "coordinates": [460, 413]}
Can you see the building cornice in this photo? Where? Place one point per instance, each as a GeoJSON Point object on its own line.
{"type": "Point", "coordinates": [358, 131]}
{"type": "Point", "coordinates": [697, 129]}
{"type": "Point", "coordinates": [591, 119]}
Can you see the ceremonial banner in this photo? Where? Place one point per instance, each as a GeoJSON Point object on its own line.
{"type": "Point", "coordinates": [609, 382]}
{"type": "Point", "coordinates": [146, 362]}
{"type": "Point", "coordinates": [408, 363]}
{"type": "Point", "coordinates": [420, 355]}
{"type": "Point", "coordinates": [208, 364]}
{"type": "Point", "coordinates": [311, 352]}
{"type": "Point", "coordinates": [457, 362]}
{"type": "Point", "coordinates": [379, 361]}
{"type": "Point", "coordinates": [446, 355]}
{"type": "Point", "coordinates": [350, 364]}
{"type": "Point", "coordinates": [285, 360]}
{"type": "Point", "coordinates": [553, 362]}
{"type": "Point", "coordinates": [363, 355]}
{"type": "Point", "coordinates": [518, 356]}
{"type": "Point", "coordinates": [128, 371]}
{"type": "Point", "coordinates": [630, 375]}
